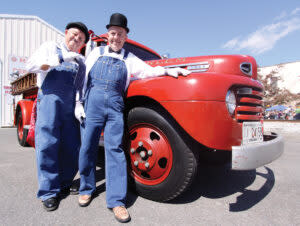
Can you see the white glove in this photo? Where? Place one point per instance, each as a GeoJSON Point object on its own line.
{"type": "Point", "coordinates": [79, 112]}
{"type": "Point", "coordinates": [70, 56]}
{"type": "Point", "coordinates": [176, 71]}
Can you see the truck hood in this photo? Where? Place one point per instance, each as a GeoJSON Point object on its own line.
{"type": "Point", "coordinates": [243, 65]}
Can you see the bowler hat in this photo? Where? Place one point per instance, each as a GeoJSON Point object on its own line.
{"type": "Point", "coordinates": [81, 27]}
{"type": "Point", "coordinates": [119, 20]}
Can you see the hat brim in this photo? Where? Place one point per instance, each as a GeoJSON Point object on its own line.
{"type": "Point", "coordinates": [109, 25]}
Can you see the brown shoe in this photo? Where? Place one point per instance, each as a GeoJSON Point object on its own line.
{"type": "Point", "coordinates": [84, 200]}
{"type": "Point", "coordinates": [121, 214]}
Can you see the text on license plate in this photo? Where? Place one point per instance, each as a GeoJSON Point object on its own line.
{"type": "Point", "coordinates": [252, 132]}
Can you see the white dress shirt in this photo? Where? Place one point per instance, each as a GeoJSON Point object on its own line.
{"type": "Point", "coordinates": [45, 54]}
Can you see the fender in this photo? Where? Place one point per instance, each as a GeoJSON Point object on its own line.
{"type": "Point", "coordinates": [25, 106]}
{"type": "Point", "coordinates": [201, 95]}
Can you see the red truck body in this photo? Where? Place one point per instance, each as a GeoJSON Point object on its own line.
{"type": "Point", "coordinates": [171, 122]}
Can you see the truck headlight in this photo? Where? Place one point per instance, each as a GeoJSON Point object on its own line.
{"type": "Point", "coordinates": [230, 102]}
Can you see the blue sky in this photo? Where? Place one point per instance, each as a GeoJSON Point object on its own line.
{"type": "Point", "coordinates": [265, 29]}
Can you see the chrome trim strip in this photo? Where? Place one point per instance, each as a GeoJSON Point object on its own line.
{"type": "Point", "coordinates": [200, 70]}
{"type": "Point", "coordinates": [198, 66]}
{"type": "Point", "coordinates": [191, 64]}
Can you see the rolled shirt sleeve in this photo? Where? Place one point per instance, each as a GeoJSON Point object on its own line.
{"type": "Point", "coordinates": [135, 66]}
{"type": "Point", "coordinates": [138, 68]}
{"type": "Point", "coordinates": [46, 54]}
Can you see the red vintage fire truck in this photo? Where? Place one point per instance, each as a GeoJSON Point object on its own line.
{"type": "Point", "coordinates": [172, 123]}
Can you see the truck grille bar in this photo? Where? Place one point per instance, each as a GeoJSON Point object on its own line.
{"type": "Point", "coordinates": [249, 104]}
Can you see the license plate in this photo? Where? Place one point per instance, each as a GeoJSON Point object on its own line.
{"type": "Point", "coordinates": [252, 132]}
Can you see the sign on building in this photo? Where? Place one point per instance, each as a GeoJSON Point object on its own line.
{"type": "Point", "coordinates": [16, 66]}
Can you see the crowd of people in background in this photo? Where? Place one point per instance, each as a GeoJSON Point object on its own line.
{"type": "Point", "coordinates": [288, 114]}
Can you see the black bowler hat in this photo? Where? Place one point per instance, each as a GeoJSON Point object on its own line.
{"type": "Point", "coordinates": [119, 20]}
{"type": "Point", "coordinates": [81, 27]}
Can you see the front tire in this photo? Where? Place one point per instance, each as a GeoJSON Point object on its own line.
{"type": "Point", "coordinates": [161, 163]}
{"type": "Point", "coordinates": [21, 132]}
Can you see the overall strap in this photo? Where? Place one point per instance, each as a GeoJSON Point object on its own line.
{"type": "Point", "coordinates": [125, 54]}
{"type": "Point", "coordinates": [59, 52]}
{"type": "Point", "coordinates": [80, 76]}
{"type": "Point", "coordinates": [101, 48]}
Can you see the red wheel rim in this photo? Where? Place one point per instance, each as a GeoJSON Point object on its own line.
{"type": "Point", "coordinates": [150, 154]}
{"type": "Point", "coordinates": [20, 128]}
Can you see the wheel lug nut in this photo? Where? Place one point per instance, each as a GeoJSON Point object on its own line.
{"type": "Point", "coordinates": [132, 150]}
{"type": "Point", "coordinates": [142, 154]}
{"type": "Point", "coordinates": [147, 164]}
{"type": "Point", "coordinates": [150, 152]}
{"type": "Point", "coordinates": [136, 163]}
{"type": "Point", "coordinates": [140, 143]}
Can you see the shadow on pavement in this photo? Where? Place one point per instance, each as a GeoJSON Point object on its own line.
{"type": "Point", "coordinates": [212, 181]}
{"type": "Point", "coordinates": [220, 181]}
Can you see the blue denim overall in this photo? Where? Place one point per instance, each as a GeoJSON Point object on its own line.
{"type": "Point", "coordinates": [57, 131]}
{"type": "Point", "coordinates": [104, 107]}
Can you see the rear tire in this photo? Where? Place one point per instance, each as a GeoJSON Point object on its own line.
{"type": "Point", "coordinates": [160, 161]}
{"type": "Point", "coordinates": [21, 132]}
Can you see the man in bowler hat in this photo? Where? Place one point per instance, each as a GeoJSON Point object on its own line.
{"type": "Point", "coordinates": [108, 71]}
{"type": "Point", "coordinates": [60, 76]}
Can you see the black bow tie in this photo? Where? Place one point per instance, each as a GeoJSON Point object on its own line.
{"type": "Point", "coordinates": [110, 50]}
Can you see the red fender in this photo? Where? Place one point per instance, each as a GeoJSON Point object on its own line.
{"type": "Point", "coordinates": [26, 109]}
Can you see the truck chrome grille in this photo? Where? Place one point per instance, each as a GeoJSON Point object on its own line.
{"type": "Point", "coordinates": [249, 104]}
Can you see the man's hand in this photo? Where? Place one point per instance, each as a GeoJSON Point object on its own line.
{"type": "Point", "coordinates": [45, 67]}
{"type": "Point", "coordinates": [177, 71]}
{"type": "Point", "coordinates": [79, 112]}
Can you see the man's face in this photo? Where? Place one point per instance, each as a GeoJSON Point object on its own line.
{"type": "Point", "coordinates": [116, 37]}
{"type": "Point", "coordinates": [74, 39]}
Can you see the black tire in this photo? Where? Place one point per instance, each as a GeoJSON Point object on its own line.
{"type": "Point", "coordinates": [21, 132]}
{"type": "Point", "coordinates": [183, 167]}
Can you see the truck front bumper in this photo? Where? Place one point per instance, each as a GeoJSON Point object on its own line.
{"type": "Point", "coordinates": [252, 156]}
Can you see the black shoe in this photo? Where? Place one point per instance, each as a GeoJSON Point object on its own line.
{"type": "Point", "coordinates": [51, 204]}
{"type": "Point", "coordinates": [72, 190]}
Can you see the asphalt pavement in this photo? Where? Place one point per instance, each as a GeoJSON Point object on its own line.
{"type": "Point", "coordinates": [269, 195]}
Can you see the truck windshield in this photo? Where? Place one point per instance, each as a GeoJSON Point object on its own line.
{"type": "Point", "coordinates": [140, 53]}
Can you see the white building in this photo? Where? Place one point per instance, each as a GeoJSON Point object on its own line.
{"type": "Point", "coordinates": [20, 36]}
{"type": "Point", "coordinates": [287, 75]}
